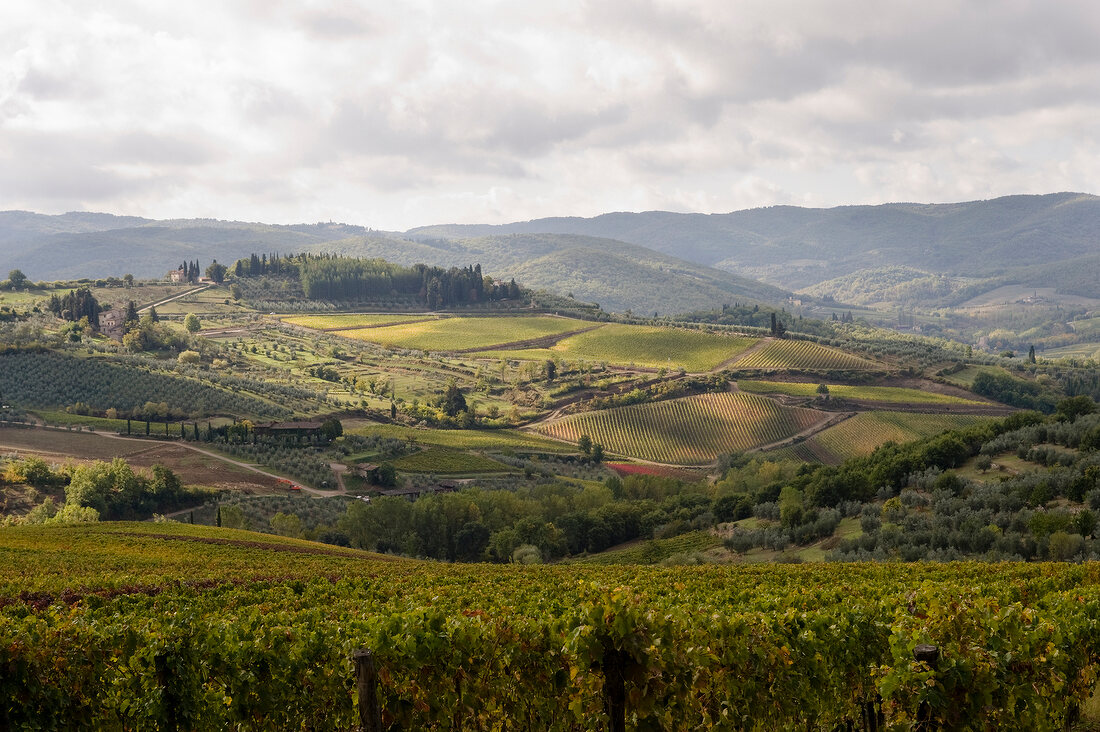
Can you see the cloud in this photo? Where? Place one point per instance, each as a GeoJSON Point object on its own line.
{"type": "Point", "coordinates": [396, 116]}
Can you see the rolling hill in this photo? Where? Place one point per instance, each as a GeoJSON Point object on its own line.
{"type": "Point", "coordinates": [799, 247]}
{"type": "Point", "coordinates": [78, 245]}
{"type": "Point", "coordinates": [906, 253]}
{"type": "Point", "coordinates": [617, 275]}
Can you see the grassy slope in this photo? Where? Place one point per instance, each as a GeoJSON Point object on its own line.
{"type": "Point", "coordinates": [453, 334]}
{"type": "Point", "coordinates": [438, 460]}
{"type": "Point", "coordinates": [640, 345]}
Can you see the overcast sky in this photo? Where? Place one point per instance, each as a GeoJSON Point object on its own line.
{"type": "Point", "coordinates": [413, 112]}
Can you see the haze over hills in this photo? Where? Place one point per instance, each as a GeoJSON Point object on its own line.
{"type": "Point", "coordinates": [74, 245]}
{"type": "Point", "coordinates": [653, 261]}
{"type": "Point", "coordinates": [795, 247]}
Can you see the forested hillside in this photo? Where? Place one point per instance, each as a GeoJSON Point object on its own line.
{"type": "Point", "coordinates": [617, 275]}
{"type": "Point", "coordinates": [798, 247]}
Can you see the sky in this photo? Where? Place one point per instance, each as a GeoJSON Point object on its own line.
{"type": "Point", "coordinates": [398, 114]}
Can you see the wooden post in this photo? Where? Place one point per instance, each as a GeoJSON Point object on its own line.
{"type": "Point", "coordinates": [931, 655]}
{"type": "Point", "coordinates": [170, 697]}
{"type": "Point", "coordinates": [614, 689]}
{"type": "Point", "coordinates": [366, 675]}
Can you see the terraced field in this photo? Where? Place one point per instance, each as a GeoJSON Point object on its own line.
{"type": "Point", "coordinates": [803, 355]}
{"type": "Point", "coordinates": [349, 321]}
{"type": "Point", "coordinates": [896, 394]}
{"type": "Point", "coordinates": [465, 334]}
{"type": "Point", "coordinates": [1079, 350]}
{"type": "Point", "coordinates": [687, 431]}
{"type": "Point", "coordinates": [641, 345]}
{"type": "Point", "coordinates": [861, 434]}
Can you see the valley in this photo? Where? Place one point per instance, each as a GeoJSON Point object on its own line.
{"type": "Point", "coordinates": [317, 416]}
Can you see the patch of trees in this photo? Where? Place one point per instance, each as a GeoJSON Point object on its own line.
{"type": "Point", "coordinates": [191, 271]}
{"type": "Point", "coordinates": [330, 277]}
{"type": "Point", "coordinates": [217, 272]}
{"type": "Point", "coordinates": [912, 505]}
{"type": "Point", "coordinates": [535, 523]}
{"type": "Point", "coordinates": [1011, 390]}
{"type": "Point", "coordinates": [148, 334]}
{"type": "Point", "coordinates": [16, 280]}
{"type": "Point", "coordinates": [74, 306]}
{"type": "Point", "coordinates": [111, 491]}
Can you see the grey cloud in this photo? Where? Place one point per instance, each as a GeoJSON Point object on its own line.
{"type": "Point", "coordinates": [337, 23]}
{"type": "Point", "coordinates": [581, 104]}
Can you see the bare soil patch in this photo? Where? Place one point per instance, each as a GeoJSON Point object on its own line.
{"type": "Point", "coordinates": [193, 468]}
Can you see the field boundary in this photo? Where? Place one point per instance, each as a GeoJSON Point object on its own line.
{"type": "Point", "coordinates": [806, 433]}
{"type": "Point", "coordinates": [761, 343]}
{"type": "Point", "coordinates": [541, 342]}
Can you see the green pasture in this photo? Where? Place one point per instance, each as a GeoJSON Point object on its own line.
{"type": "Point", "coordinates": [466, 334]}
{"type": "Point", "coordinates": [349, 321]}
{"type": "Point", "coordinates": [640, 345]}
{"type": "Point", "coordinates": [441, 460]}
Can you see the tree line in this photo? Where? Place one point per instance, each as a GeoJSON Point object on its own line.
{"type": "Point", "coordinates": [332, 277]}
{"type": "Point", "coordinates": [77, 304]}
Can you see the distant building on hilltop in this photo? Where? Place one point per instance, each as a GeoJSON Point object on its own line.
{"type": "Point", "coordinates": [112, 323]}
{"type": "Point", "coordinates": [177, 275]}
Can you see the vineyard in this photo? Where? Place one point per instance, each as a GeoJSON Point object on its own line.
{"type": "Point", "coordinates": [783, 355]}
{"type": "Point", "coordinates": [161, 626]}
{"type": "Point", "coordinates": [42, 379]}
{"type": "Point", "coordinates": [895, 394]}
{"type": "Point", "coordinates": [464, 334]}
{"type": "Point", "coordinates": [688, 431]}
{"type": "Point", "coordinates": [867, 430]}
{"type": "Point", "coordinates": [640, 345]}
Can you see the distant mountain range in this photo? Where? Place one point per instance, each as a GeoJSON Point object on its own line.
{"type": "Point", "coordinates": [652, 261]}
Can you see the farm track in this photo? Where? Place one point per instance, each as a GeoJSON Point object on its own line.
{"type": "Point", "coordinates": [760, 344]}
{"type": "Point", "coordinates": [230, 461]}
{"type": "Point", "coordinates": [185, 445]}
{"type": "Point", "coordinates": [235, 330]}
{"type": "Point", "coordinates": [806, 433]}
{"type": "Point", "coordinates": [174, 297]}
